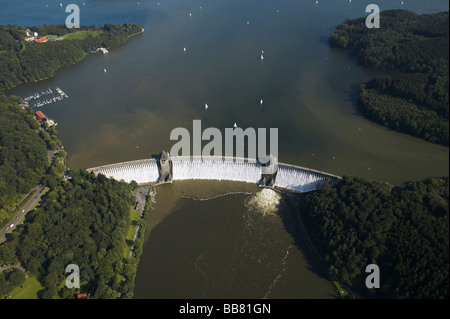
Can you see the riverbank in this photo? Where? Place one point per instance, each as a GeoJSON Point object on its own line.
{"type": "Point", "coordinates": [132, 35]}
{"type": "Point", "coordinates": [360, 222]}
{"type": "Point", "coordinates": [35, 62]}
{"type": "Point", "coordinates": [144, 198]}
{"type": "Point", "coordinates": [413, 97]}
{"type": "Point", "coordinates": [295, 206]}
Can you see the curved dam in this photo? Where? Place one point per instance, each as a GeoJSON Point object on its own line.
{"type": "Point", "coordinates": [147, 171]}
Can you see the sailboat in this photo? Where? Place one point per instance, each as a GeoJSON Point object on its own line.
{"type": "Point", "coordinates": [104, 70]}
{"type": "Point", "coordinates": [235, 125]}
{"type": "Point", "coordinates": [206, 106]}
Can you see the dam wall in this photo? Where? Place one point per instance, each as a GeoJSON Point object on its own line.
{"type": "Point", "coordinates": [145, 171]}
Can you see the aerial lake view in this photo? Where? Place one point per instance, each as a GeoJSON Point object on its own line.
{"type": "Point", "coordinates": [242, 63]}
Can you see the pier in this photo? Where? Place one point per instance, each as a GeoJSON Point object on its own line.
{"type": "Point", "coordinates": [34, 100]}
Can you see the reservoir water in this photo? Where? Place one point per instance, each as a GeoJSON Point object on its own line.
{"type": "Point", "coordinates": [225, 240]}
{"type": "Point", "coordinates": [225, 247]}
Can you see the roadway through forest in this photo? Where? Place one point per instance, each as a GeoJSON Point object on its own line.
{"type": "Point", "coordinates": [21, 214]}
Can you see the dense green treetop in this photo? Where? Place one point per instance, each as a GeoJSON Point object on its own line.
{"type": "Point", "coordinates": [83, 221]}
{"type": "Point", "coordinates": [405, 231]}
{"type": "Point", "coordinates": [414, 99]}
{"type": "Point", "coordinates": [23, 154]}
{"type": "Point", "coordinates": [22, 61]}
{"type": "Point", "coordinates": [9, 280]}
{"type": "Point", "coordinates": [405, 41]}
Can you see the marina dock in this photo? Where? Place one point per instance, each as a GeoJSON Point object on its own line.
{"type": "Point", "coordinates": [45, 97]}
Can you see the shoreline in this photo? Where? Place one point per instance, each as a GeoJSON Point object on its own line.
{"type": "Point", "coordinates": [144, 199]}
{"type": "Point", "coordinates": [132, 35]}
{"type": "Point", "coordinates": [62, 67]}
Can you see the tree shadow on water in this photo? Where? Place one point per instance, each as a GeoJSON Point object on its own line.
{"type": "Point", "coordinates": [287, 211]}
{"type": "Point", "coordinates": [352, 97]}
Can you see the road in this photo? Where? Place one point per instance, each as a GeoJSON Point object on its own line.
{"type": "Point", "coordinates": [141, 194]}
{"type": "Point", "coordinates": [5, 268]}
{"type": "Point", "coordinates": [21, 214]}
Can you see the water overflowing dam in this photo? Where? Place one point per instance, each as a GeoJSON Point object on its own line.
{"type": "Point", "coordinates": [216, 168]}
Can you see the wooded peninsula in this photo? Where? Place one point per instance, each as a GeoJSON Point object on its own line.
{"type": "Point", "coordinates": [403, 230]}
{"type": "Point", "coordinates": [23, 59]}
{"type": "Point", "coordinates": [414, 97]}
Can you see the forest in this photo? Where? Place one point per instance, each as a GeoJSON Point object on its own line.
{"type": "Point", "coordinates": [23, 154]}
{"type": "Point", "coordinates": [83, 221]}
{"type": "Point", "coordinates": [9, 280]}
{"type": "Point", "coordinates": [23, 62]}
{"type": "Point", "coordinates": [23, 148]}
{"type": "Point", "coordinates": [414, 97]}
{"type": "Point", "coordinates": [403, 230]}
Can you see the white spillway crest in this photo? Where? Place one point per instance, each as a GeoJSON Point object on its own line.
{"type": "Point", "coordinates": [146, 171]}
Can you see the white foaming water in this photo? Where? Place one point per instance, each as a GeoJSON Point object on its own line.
{"type": "Point", "coordinates": [210, 168]}
{"type": "Point", "coordinates": [298, 179]}
{"type": "Point", "coordinates": [140, 171]}
{"type": "Point", "coordinates": [265, 201]}
{"type": "Point", "coordinates": [215, 169]}
{"type": "Point", "coordinates": [153, 197]}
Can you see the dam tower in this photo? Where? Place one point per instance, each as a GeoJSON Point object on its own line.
{"type": "Point", "coordinates": [165, 168]}
{"type": "Point", "coordinates": [269, 172]}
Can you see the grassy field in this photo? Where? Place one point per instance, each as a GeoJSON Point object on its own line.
{"type": "Point", "coordinates": [342, 292]}
{"type": "Point", "coordinates": [134, 217]}
{"type": "Point", "coordinates": [81, 35]}
{"type": "Point", "coordinates": [49, 36]}
{"type": "Point", "coordinates": [29, 291]}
